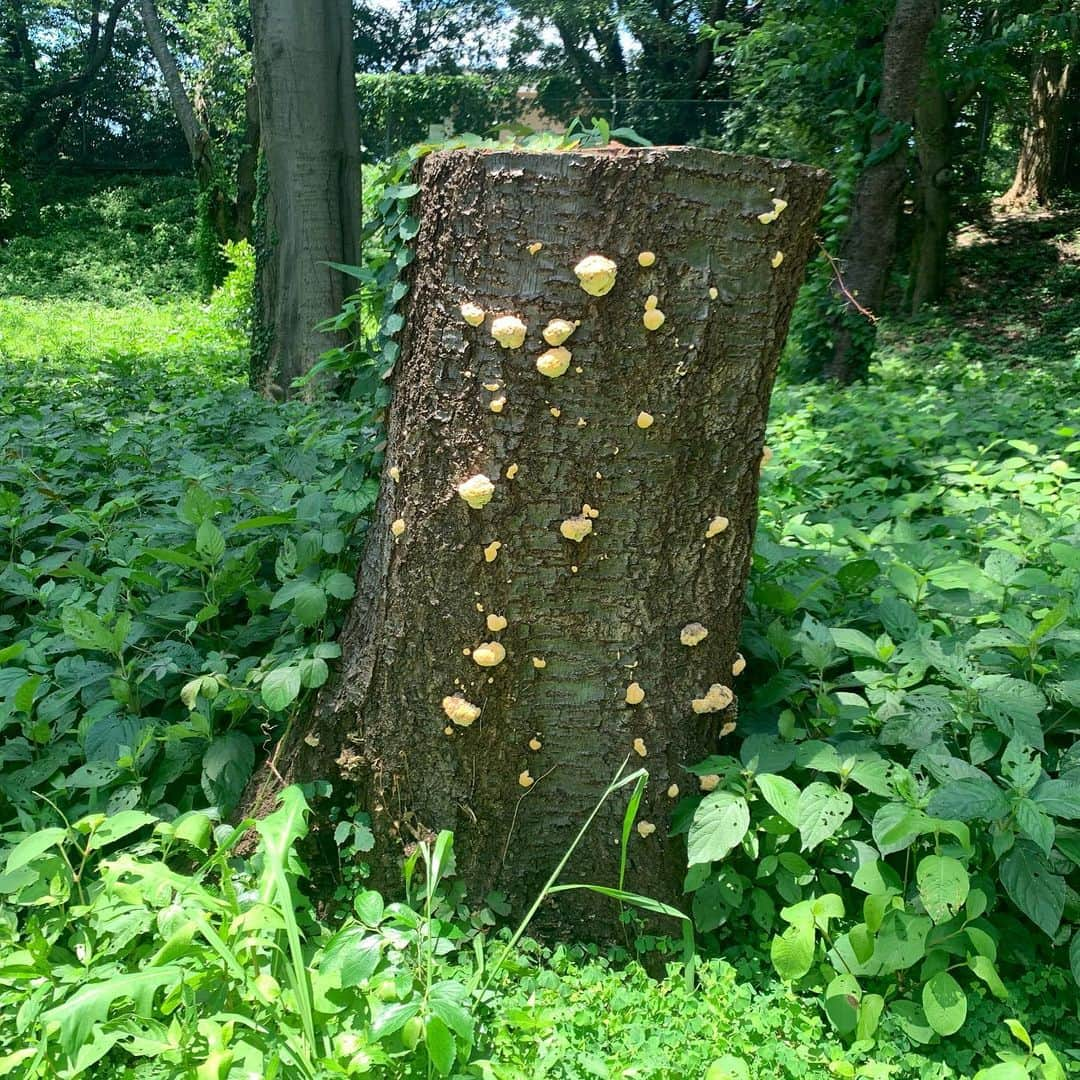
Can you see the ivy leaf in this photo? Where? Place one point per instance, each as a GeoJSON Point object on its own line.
{"type": "Point", "coordinates": [1034, 888]}
{"type": "Point", "coordinates": [719, 824]}
{"type": "Point", "coordinates": [944, 1003]}
{"type": "Point", "coordinates": [821, 811]}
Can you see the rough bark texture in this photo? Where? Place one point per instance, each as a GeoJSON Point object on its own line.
{"type": "Point", "coordinates": [869, 246]}
{"type": "Point", "coordinates": [1035, 165]}
{"type": "Point", "coordinates": [600, 614]}
{"type": "Point", "coordinates": [311, 145]}
{"type": "Point", "coordinates": [933, 142]}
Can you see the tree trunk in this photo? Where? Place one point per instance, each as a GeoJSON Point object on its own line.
{"type": "Point", "coordinates": [1035, 166]}
{"type": "Point", "coordinates": [586, 618]}
{"type": "Point", "coordinates": [869, 246]}
{"type": "Point", "coordinates": [311, 145]}
{"type": "Point", "coordinates": [933, 143]}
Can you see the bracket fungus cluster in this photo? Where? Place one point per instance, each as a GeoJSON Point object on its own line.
{"type": "Point", "coordinates": [596, 274]}
{"type": "Point", "coordinates": [717, 698]}
{"type": "Point", "coordinates": [693, 634]}
{"type": "Point", "coordinates": [576, 528]}
{"type": "Point", "coordinates": [778, 207]}
{"type": "Point", "coordinates": [473, 314]}
{"type": "Point", "coordinates": [509, 331]}
{"type": "Point", "coordinates": [489, 654]}
{"type": "Point", "coordinates": [739, 664]}
{"type": "Point", "coordinates": [634, 694]}
{"type": "Point", "coordinates": [459, 711]}
{"type": "Point", "coordinates": [476, 491]}
{"type": "Point", "coordinates": [558, 330]}
{"type": "Point", "coordinates": [716, 526]}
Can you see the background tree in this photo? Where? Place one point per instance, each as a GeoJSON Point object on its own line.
{"type": "Point", "coordinates": [304, 70]}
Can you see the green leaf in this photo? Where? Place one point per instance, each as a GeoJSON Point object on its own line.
{"type": "Point", "coordinates": [118, 826]}
{"type": "Point", "coordinates": [821, 811]}
{"type": "Point", "coordinates": [1074, 957]}
{"type": "Point", "coordinates": [30, 847]}
{"type": "Point", "coordinates": [912, 1020]}
{"type": "Point", "coordinates": [1060, 798]}
{"type": "Point", "coordinates": [209, 542]}
{"type": "Point", "coordinates": [440, 1045]}
{"type": "Point", "coordinates": [309, 605]}
{"type": "Point", "coordinates": [1005, 1070]}
{"type": "Point", "coordinates": [728, 1067]}
{"type": "Point", "coordinates": [896, 827]}
{"type": "Point", "coordinates": [842, 997]}
{"type": "Point", "coordinates": [943, 886]}
{"type": "Point", "coordinates": [781, 794]}
{"type": "Point", "coordinates": [792, 952]}
{"type": "Point", "coordinates": [280, 688]}
{"type": "Point", "coordinates": [340, 586]}
{"type": "Point", "coordinates": [720, 822]}
{"type": "Point", "coordinates": [226, 768]}
{"type": "Point", "coordinates": [870, 1009]}
{"type": "Point", "coordinates": [969, 798]}
{"type": "Point", "coordinates": [1034, 888]}
{"type": "Point", "coordinates": [984, 968]}
{"type": "Point", "coordinates": [944, 1003]}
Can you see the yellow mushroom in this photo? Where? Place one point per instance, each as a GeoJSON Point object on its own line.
{"type": "Point", "coordinates": [673, 791]}
{"type": "Point", "coordinates": [646, 258]}
{"type": "Point", "coordinates": [776, 260]}
{"type": "Point", "coordinates": [508, 331]}
{"type": "Point", "coordinates": [448, 730]}
{"type": "Point", "coordinates": [476, 491]}
{"type": "Point", "coordinates": [576, 528]}
{"type": "Point", "coordinates": [645, 420]}
{"type": "Point", "coordinates": [716, 526]}
{"type": "Point", "coordinates": [708, 782]}
{"type": "Point", "coordinates": [766, 456]}
{"type": "Point", "coordinates": [511, 471]}
{"type": "Point", "coordinates": [634, 694]}
{"type": "Point", "coordinates": [395, 473]}
{"type": "Point", "coordinates": [492, 386]}
{"type": "Point", "coordinates": [555, 411]}
{"type": "Point", "coordinates": [495, 623]}
{"type": "Point", "coordinates": [639, 748]}
{"type": "Point", "coordinates": [496, 405]}
{"type": "Point", "coordinates": [589, 511]}
{"type": "Point", "coordinates": [714, 292]}
{"type": "Point", "coordinates": [525, 780]}
{"type": "Point", "coordinates": [596, 274]}
{"type": "Point", "coordinates": [558, 330]}
{"type": "Point", "coordinates": [739, 665]}
{"type": "Point", "coordinates": [693, 633]}
{"type": "Point", "coordinates": [473, 314]}
{"type": "Point", "coordinates": [716, 699]}
{"type": "Point", "coordinates": [460, 711]}
{"type": "Point", "coordinates": [653, 318]}
{"type": "Point", "coordinates": [535, 744]}
{"type": "Point", "coordinates": [538, 663]}
{"type": "Point", "coordinates": [534, 247]}
{"type": "Point", "coordinates": [491, 552]}
{"type": "Point", "coordinates": [397, 527]}
{"type": "Point", "coordinates": [645, 829]}
{"type": "Point", "coordinates": [553, 362]}
{"type": "Point", "coordinates": [489, 654]}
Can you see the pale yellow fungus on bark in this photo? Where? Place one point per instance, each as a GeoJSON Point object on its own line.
{"type": "Point", "coordinates": [311, 739]}
{"type": "Point", "coordinates": [491, 386]}
{"type": "Point", "coordinates": [553, 362]}
{"type": "Point", "coordinates": [727, 729]}
{"type": "Point", "coordinates": [448, 730]}
{"type": "Point", "coordinates": [646, 258]}
{"type": "Point", "coordinates": [480, 608]}
{"type": "Point", "coordinates": [459, 711]}
{"type": "Point", "coordinates": [397, 527]}
{"type": "Point", "coordinates": [495, 623]}
{"type": "Point", "coordinates": [778, 207]}
{"type": "Point", "coordinates": [776, 260]}
{"type": "Point", "coordinates": [558, 330]}
{"type": "Point", "coordinates": [693, 633]}
{"type": "Point", "coordinates": [673, 791]}
{"type": "Point", "coordinates": [717, 698]}
{"type": "Point", "coordinates": [645, 829]}
{"type": "Point", "coordinates": [739, 665]}
{"type": "Point", "coordinates": [589, 511]}
{"type": "Point", "coordinates": [651, 301]}
{"type": "Point", "coordinates": [473, 314]}
{"type": "Point", "coordinates": [508, 331]}
{"type": "Point", "coordinates": [576, 528]}
{"type": "Point", "coordinates": [511, 471]}
{"type": "Point", "coordinates": [708, 782]}
{"type": "Point", "coordinates": [645, 420]}
{"type": "Point", "coordinates": [573, 569]}
{"type": "Point", "coordinates": [395, 473]}
{"type": "Point", "coordinates": [539, 663]}
{"type": "Point", "coordinates": [491, 552]}
{"type": "Point", "coordinates": [714, 292]}
{"type": "Point", "coordinates": [535, 744]}
{"type": "Point", "coordinates": [476, 491]}
{"type": "Point", "coordinates": [466, 651]}
{"type": "Point", "coordinates": [581, 421]}
{"type": "Point", "coordinates": [556, 411]}
{"type": "Point", "coordinates": [653, 319]}
{"type": "Point", "coordinates": [534, 247]}
{"type": "Point", "coordinates": [716, 526]}
{"type": "Point", "coordinates": [640, 748]}
{"type": "Point", "coordinates": [496, 405]}
{"type": "Point", "coordinates": [525, 780]}
{"type": "Point", "coordinates": [596, 274]}
{"type": "Point", "coordinates": [489, 654]}
{"type": "Point", "coordinates": [634, 694]}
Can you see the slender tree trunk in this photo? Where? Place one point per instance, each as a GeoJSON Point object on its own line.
{"type": "Point", "coordinates": [585, 618]}
{"type": "Point", "coordinates": [869, 246]}
{"type": "Point", "coordinates": [933, 143]}
{"type": "Point", "coordinates": [311, 143]}
{"type": "Point", "coordinates": [247, 167]}
{"type": "Point", "coordinates": [1035, 165]}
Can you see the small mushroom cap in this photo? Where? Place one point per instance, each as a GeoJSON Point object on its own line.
{"type": "Point", "coordinates": [716, 526]}
{"type": "Point", "coordinates": [553, 362]}
{"type": "Point", "coordinates": [539, 663]}
{"type": "Point", "coordinates": [525, 780]}
{"type": "Point", "coordinates": [460, 711]}
{"type": "Point", "coordinates": [634, 694]}
{"type": "Point", "coordinates": [495, 623]}
{"type": "Point", "coordinates": [395, 473]}
{"type": "Point", "coordinates": [491, 552]}
{"type": "Point", "coordinates": [714, 292]}
{"type": "Point", "coordinates": [717, 698]}
{"type": "Point", "coordinates": [708, 782]}
{"type": "Point", "coordinates": [556, 411]}
{"type": "Point", "coordinates": [489, 654]}
{"type": "Point", "coordinates": [535, 744]}
{"type": "Point", "coordinates": [645, 829]}
{"type": "Point", "coordinates": [653, 319]}
{"type": "Point", "coordinates": [673, 791]}
{"type": "Point", "coordinates": [651, 301]}
{"type": "Point", "coordinates": [534, 247]}
{"type": "Point", "coordinates": [473, 314]}
{"type": "Point", "coordinates": [589, 511]}
{"type": "Point", "coordinates": [558, 330]}
{"type": "Point", "coordinates": [646, 258]}
{"type": "Point", "coordinates": [508, 331]}
{"type": "Point", "coordinates": [397, 527]}
{"type": "Point", "coordinates": [776, 260]}
{"type": "Point", "coordinates": [576, 528]}
{"type": "Point", "coordinates": [766, 455]}
{"type": "Point", "coordinates": [693, 633]}
{"type": "Point", "coordinates": [511, 471]}
{"type": "Point", "coordinates": [739, 665]}
{"type": "Point", "coordinates": [645, 420]}
{"type": "Point", "coordinates": [476, 491]}
{"type": "Point", "coordinates": [596, 274]}
{"type": "Point", "coordinates": [496, 405]}
{"type": "Point", "coordinates": [639, 748]}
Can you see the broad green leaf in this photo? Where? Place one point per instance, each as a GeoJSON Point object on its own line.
{"type": "Point", "coordinates": [118, 826]}
{"type": "Point", "coordinates": [440, 1045]}
{"type": "Point", "coordinates": [896, 827]}
{"type": "Point", "coordinates": [1060, 798]}
{"type": "Point", "coordinates": [309, 605]}
{"type": "Point", "coordinates": [1034, 888]}
{"type": "Point", "coordinates": [30, 847]}
{"type": "Point", "coordinates": [792, 952]}
{"type": "Point", "coordinates": [943, 886]}
{"type": "Point", "coordinates": [913, 1021]}
{"type": "Point", "coordinates": [781, 794]}
{"type": "Point", "coordinates": [720, 822]}
{"type": "Point", "coordinates": [822, 809]}
{"type": "Point", "coordinates": [209, 542]}
{"type": "Point", "coordinates": [901, 940]}
{"type": "Point", "coordinates": [870, 1009]}
{"type": "Point", "coordinates": [280, 688]}
{"type": "Point", "coordinates": [842, 997]}
{"type": "Point", "coordinates": [984, 967]}
{"type": "Point", "coordinates": [968, 799]}
{"type": "Point", "coordinates": [1005, 1070]}
{"type": "Point", "coordinates": [728, 1067]}
{"type": "Point", "coordinates": [944, 1004]}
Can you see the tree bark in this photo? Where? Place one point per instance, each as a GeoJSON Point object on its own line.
{"type": "Point", "coordinates": [869, 246]}
{"type": "Point", "coordinates": [311, 144]}
{"type": "Point", "coordinates": [598, 614]}
{"type": "Point", "coordinates": [1035, 165]}
{"type": "Point", "coordinates": [933, 144]}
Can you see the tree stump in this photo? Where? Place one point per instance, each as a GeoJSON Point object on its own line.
{"type": "Point", "coordinates": [502, 659]}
